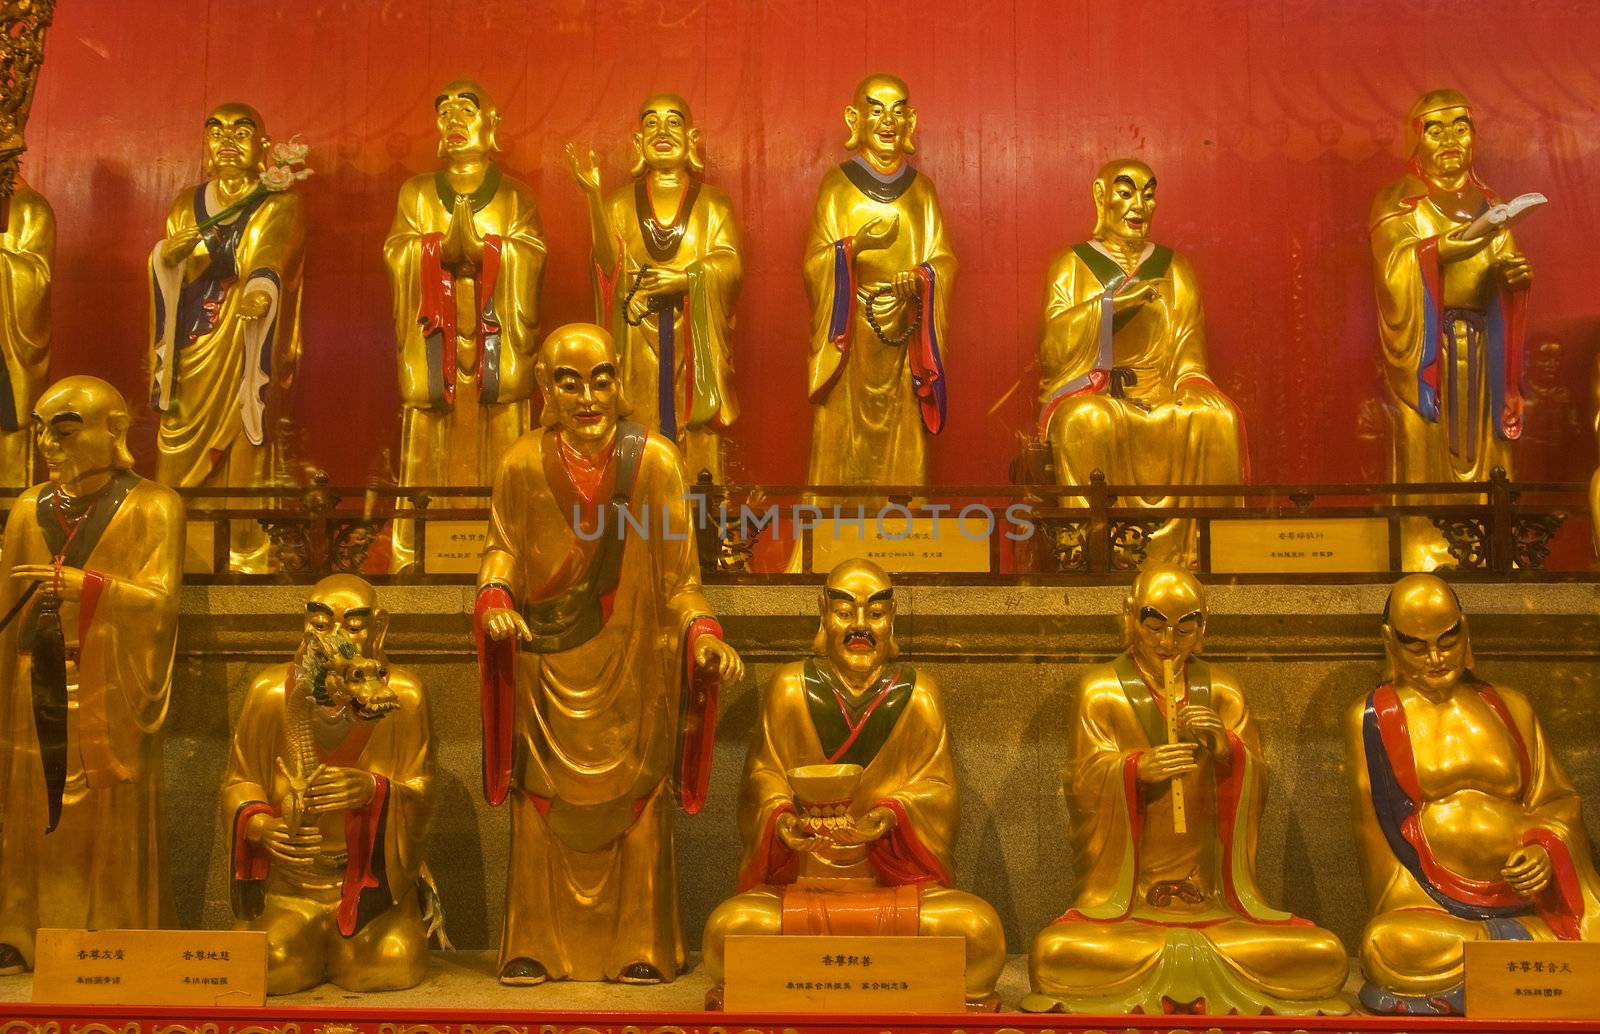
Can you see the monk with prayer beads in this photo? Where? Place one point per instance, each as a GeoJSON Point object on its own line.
{"type": "Point", "coordinates": [667, 272]}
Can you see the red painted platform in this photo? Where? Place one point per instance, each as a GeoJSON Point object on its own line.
{"type": "Point", "coordinates": [20, 1018]}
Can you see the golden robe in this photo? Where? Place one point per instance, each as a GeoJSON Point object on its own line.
{"type": "Point", "coordinates": [1128, 393]}
{"type": "Point", "coordinates": [597, 726]}
{"type": "Point", "coordinates": [356, 920]}
{"type": "Point", "coordinates": [904, 749]}
{"type": "Point", "coordinates": [466, 344]}
{"type": "Point", "coordinates": [219, 381]}
{"type": "Point", "coordinates": [27, 250]}
{"type": "Point", "coordinates": [873, 404]}
{"type": "Point", "coordinates": [1452, 352]}
{"type": "Point", "coordinates": [1441, 796]}
{"type": "Point", "coordinates": [1160, 916]}
{"type": "Point", "coordinates": [696, 406]}
{"type": "Point", "coordinates": [101, 865]}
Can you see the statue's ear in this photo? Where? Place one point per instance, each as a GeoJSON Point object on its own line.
{"type": "Point", "coordinates": [852, 125]}
{"type": "Point", "coordinates": [1099, 190]}
{"type": "Point", "coordinates": [266, 149]}
{"type": "Point", "coordinates": [909, 143]}
{"type": "Point", "coordinates": [380, 632]}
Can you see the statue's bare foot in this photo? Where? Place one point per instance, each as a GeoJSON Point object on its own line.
{"type": "Point", "coordinates": [640, 973]}
{"type": "Point", "coordinates": [11, 961]}
{"type": "Point", "coordinates": [523, 973]}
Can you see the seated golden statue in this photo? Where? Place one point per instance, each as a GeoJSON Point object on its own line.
{"type": "Point", "coordinates": [88, 627]}
{"type": "Point", "coordinates": [1468, 828]}
{"type": "Point", "coordinates": [852, 725]}
{"type": "Point", "coordinates": [326, 799]}
{"type": "Point", "coordinates": [1124, 383]}
{"type": "Point", "coordinates": [1165, 790]}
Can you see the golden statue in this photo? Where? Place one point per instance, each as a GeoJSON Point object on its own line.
{"type": "Point", "coordinates": [225, 322]}
{"type": "Point", "coordinates": [668, 243]}
{"type": "Point", "coordinates": [1124, 386]}
{"type": "Point", "coordinates": [600, 661]}
{"type": "Point", "coordinates": [879, 272]}
{"type": "Point", "coordinates": [27, 249]}
{"type": "Point", "coordinates": [89, 579]}
{"type": "Point", "coordinates": [1468, 828]}
{"type": "Point", "coordinates": [1165, 789]}
{"type": "Point", "coordinates": [853, 728]}
{"type": "Point", "coordinates": [326, 801]}
{"type": "Point", "coordinates": [465, 262]}
{"type": "Point", "coordinates": [1450, 315]}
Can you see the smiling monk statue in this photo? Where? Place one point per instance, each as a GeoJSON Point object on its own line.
{"type": "Point", "coordinates": [667, 272]}
{"type": "Point", "coordinates": [871, 728]}
{"type": "Point", "coordinates": [879, 270]}
{"type": "Point", "coordinates": [1165, 789]}
{"type": "Point", "coordinates": [1125, 384]}
{"type": "Point", "coordinates": [1469, 830]}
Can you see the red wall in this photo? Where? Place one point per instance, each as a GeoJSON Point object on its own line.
{"type": "Point", "coordinates": [1270, 126]}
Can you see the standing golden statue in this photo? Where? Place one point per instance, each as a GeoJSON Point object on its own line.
{"type": "Point", "coordinates": [1165, 790]}
{"type": "Point", "coordinates": [600, 661]}
{"type": "Point", "coordinates": [465, 263]}
{"type": "Point", "coordinates": [1125, 387]}
{"type": "Point", "coordinates": [1467, 826]}
{"type": "Point", "coordinates": [27, 251]}
{"type": "Point", "coordinates": [89, 579]}
{"type": "Point", "coordinates": [1450, 315]}
{"type": "Point", "coordinates": [225, 321]}
{"type": "Point", "coordinates": [853, 726]}
{"type": "Point", "coordinates": [879, 272]}
{"type": "Point", "coordinates": [326, 801]}
{"type": "Point", "coordinates": [669, 245]}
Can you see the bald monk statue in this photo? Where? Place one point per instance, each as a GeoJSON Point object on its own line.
{"type": "Point", "coordinates": [854, 706]}
{"type": "Point", "coordinates": [1125, 385]}
{"type": "Point", "coordinates": [1469, 830]}
{"type": "Point", "coordinates": [1167, 916]}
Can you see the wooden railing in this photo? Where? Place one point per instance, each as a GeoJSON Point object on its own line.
{"type": "Point", "coordinates": [1087, 533]}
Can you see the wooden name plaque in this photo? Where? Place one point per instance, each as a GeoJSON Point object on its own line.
{"type": "Point", "coordinates": [151, 967]}
{"type": "Point", "coordinates": [1307, 545]}
{"type": "Point", "coordinates": [864, 975]}
{"type": "Point", "coordinates": [1533, 980]}
{"type": "Point", "coordinates": [939, 545]}
{"type": "Point", "coordinates": [455, 547]}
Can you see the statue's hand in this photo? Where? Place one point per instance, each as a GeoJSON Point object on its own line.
{"type": "Point", "coordinates": [295, 846]}
{"type": "Point", "coordinates": [1135, 296]}
{"type": "Point", "coordinates": [1515, 272]}
{"type": "Point", "coordinates": [871, 826]}
{"type": "Point", "coordinates": [793, 835]}
{"type": "Point", "coordinates": [877, 233]}
{"type": "Point", "coordinates": [503, 622]}
{"type": "Point", "coordinates": [180, 245]}
{"type": "Point", "coordinates": [656, 280]}
{"type": "Point", "coordinates": [1169, 761]}
{"type": "Point", "coordinates": [1203, 725]}
{"type": "Point", "coordinates": [69, 589]}
{"type": "Point", "coordinates": [1453, 248]}
{"type": "Point", "coordinates": [254, 305]}
{"type": "Point", "coordinates": [587, 173]}
{"type": "Point", "coordinates": [1528, 870]}
{"type": "Point", "coordinates": [462, 244]}
{"type": "Point", "coordinates": [339, 789]}
{"type": "Point", "coordinates": [711, 652]}
{"type": "Point", "coordinates": [1512, 415]}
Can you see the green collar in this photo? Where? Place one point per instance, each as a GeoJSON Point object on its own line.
{"type": "Point", "coordinates": [480, 197]}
